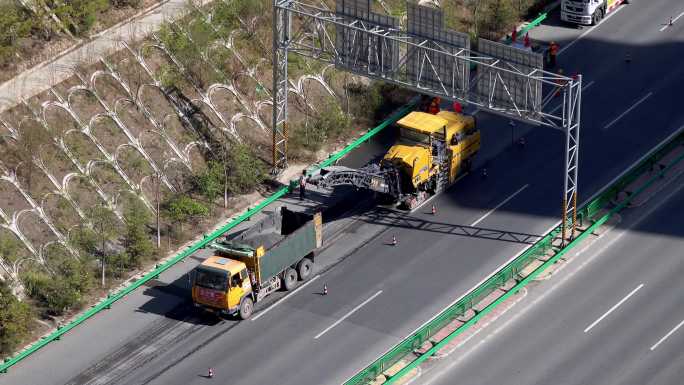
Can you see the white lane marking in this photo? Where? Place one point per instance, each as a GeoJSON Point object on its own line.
{"type": "Point", "coordinates": [666, 26]}
{"type": "Point", "coordinates": [499, 205]}
{"type": "Point", "coordinates": [344, 317]}
{"type": "Point", "coordinates": [622, 115]}
{"type": "Point", "coordinates": [588, 31]}
{"type": "Point", "coordinates": [613, 308]}
{"type": "Point", "coordinates": [667, 335]}
{"type": "Point", "coordinates": [284, 298]}
{"type": "Point", "coordinates": [583, 89]}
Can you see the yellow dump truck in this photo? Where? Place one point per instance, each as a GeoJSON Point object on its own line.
{"type": "Point", "coordinates": [249, 265]}
{"type": "Point", "coordinates": [431, 152]}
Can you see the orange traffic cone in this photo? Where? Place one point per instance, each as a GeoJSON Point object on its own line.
{"type": "Point", "coordinates": [325, 289]}
{"type": "Point", "coordinates": [394, 240]}
{"type": "Point", "coordinates": [434, 210]}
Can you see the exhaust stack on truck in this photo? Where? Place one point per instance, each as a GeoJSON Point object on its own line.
{"type": "Point", "coordinates": [248, 266]}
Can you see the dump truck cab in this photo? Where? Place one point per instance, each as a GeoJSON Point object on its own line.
{"type": "Point", "coordinates": [221, 283]}
{"type": "Point", "coordinates": [248, 265]}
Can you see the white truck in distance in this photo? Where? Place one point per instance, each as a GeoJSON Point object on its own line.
{"type": "Point", "coordinates": [588, 12]}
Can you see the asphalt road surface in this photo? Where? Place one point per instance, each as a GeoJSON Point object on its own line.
{"type": "Point", "coordinates": [613, 316]}
{"type": "Point", "coordinates": [380, 293]}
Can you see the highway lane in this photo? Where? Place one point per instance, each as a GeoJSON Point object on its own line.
{"type": "Point", "coordinates": [613, 315]}
{"type": "Point", "coordinates": [427, 270]}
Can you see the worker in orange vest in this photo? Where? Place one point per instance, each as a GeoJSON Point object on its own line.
{"type": "Point", "coordinates": [458, 108]}
{"type": "Point", "coordinates": [434, 106]}
{"type": "Point", "coordinates": [553, 52]}
{"type": "Point", "coordinates": [514, 35]}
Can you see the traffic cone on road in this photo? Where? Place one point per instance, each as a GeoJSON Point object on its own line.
{"type": "Point", "coordinates": [210, 373]}
{"type": "Point", "coordinates": [628, 57]}
{"type": "Point", "coordinates": [434, 210]}
{"type": "Point", "coordinates": [394, 240]}
{"type": "Point", "coordinates": [325, 289]}
{"type": "Point", "coordinates": [670, 23]}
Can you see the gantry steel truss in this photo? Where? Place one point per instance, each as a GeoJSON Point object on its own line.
{"type": "Point", "coordinates": [373, 46]}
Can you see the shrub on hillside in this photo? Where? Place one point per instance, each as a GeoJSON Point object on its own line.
{"type": "Point", "coordinates": [61, 289]}
{"type": "Point", "coordinates": [15, 24]}
{"type": "Point", "coordinates": [16, 319]}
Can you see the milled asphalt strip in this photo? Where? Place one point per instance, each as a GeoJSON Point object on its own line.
{"type": "Point", "coordinates": [673, 21]}
{"type": "Point", "coordinates": [667, 335]}
{"type": "Point", "coordinates": [622, 115]}
{"type": "Point", "coordinates": [284, 298]}
{"type": "Point", "coordinates": [499, 205]}
{"type": "Point", "coordinates": [606, 314]}
{"type": "Point", "coordinates": [344, 317]}
{"type": "Point", "coordinates": [585, 33]}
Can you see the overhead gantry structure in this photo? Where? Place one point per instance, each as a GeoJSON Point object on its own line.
{"type": "Point", "coordinates": [429, 59]}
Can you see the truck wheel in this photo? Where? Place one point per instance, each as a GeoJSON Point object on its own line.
{"type": "Point", "coordinates": [598, 15]}
{"type": "Point", "coordinates": [304, 269]}
{"type": "Point", "coordinates": [290, 279]}
{"type": "Point", "coordinates": [246, 308]}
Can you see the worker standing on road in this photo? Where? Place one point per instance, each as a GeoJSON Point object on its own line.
{"type": "Point", "coordinates": [434, 105]}
{"type": "Point", "coordinates": [553, 52]}
{"type": "Point", "coordinates": [302, 185]}
{"type": "Point", "coordinates": [514, 35]}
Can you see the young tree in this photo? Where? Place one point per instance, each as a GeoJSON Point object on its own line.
{"type": "Point", "coordinates": [15, 320]}
{"type": "Point", "coordinates": [210, 182]}
{"type": "Point", "coordinates": [136, 239]}
{"type": "Point", "coordinates": [244, 171]}
{"type": "Point", "coordinates": [105, 225]}
{"type": "Point", "coordinates": [27, 146]}
{"type": "Point", "coordinates": [182, 208]}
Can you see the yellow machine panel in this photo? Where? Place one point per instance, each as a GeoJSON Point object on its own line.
{"type": "Point", "coordinates": [414, 159]}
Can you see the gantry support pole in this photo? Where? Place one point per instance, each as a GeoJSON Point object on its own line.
{"type": "Point", "coordinates": [572, 98]}
{"type": "Point", "coordinates": [281, 41]}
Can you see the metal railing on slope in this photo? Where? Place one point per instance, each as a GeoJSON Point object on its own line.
{"type": "Point", "coordinates": [107, 303]}
{"type": "Point", "coordinates": [538, 251]}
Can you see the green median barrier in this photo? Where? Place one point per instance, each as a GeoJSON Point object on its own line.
{"type": "Point", "coordinates": [533, 24]}
{"type": "Point", "coordinates": [538, 251]}
{"type": "Point", "coordinates": [107, 303]}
